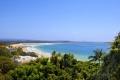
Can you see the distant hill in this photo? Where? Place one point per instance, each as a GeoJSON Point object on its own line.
{"type": "Point", "coordinates": [10, 41]}
{"type": "Point", "coordinates": [31, 41]}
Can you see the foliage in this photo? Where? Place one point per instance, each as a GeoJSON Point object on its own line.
{"type": "Point", "coordinates": [17, 52]}
{"type": "Point", "coordinates": [4, 77]}
{"type": "Point", "coordinates": [32, 54]}
{"type": "Point", "coordinates": [6, 64]}
{"type": "Point", "coordinates": [110, 69]}
{"type": "Point", "coordinates": [59, 67]}
{"type": "Point", "coordinates": [98, 54]}
{"type": "Point", "coordinates": [63, 67]}
{"type": "Point", "coordinates": [5, 52]}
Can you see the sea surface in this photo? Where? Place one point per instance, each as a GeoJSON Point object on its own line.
{"type": "Point", "coordinates": [81, 50]}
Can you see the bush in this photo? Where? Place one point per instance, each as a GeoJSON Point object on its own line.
{"type": "Point", "coordinates": [6, 64]}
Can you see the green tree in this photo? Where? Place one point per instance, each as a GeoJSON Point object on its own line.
{"type": "Point", "coordinates": [98, 55]}
{"type": "Point", "coordinates": [67, 61]}
{"type": "Point", "coordinates": [5, 52]}
{"type": "Point", "coordinates": [42, 61]}
{"type": "Point", "coordinates": [56, 58]}
{"type": "Point", "coordinates": [111, 63]}
{"type": "Point", "coordinates": [43, 69]}
{"type": "Point", "coordinates": [6, 64]}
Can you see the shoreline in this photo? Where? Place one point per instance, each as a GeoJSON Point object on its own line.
{"type": "Point", "coordinates": [32, 47]}
{"type": "Point", "coordinates": [26, 47]}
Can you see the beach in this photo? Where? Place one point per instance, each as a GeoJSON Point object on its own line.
{"type": "Point", "coordinates": [81, 50]}
{"type": "Point", "coordinates": [28, 48]}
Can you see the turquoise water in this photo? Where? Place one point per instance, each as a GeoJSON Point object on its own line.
{"type": "Point", "coordinates": [80, 50]}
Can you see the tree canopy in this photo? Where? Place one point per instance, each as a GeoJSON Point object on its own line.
{"type": "Point", "coordinates": [62, 67]}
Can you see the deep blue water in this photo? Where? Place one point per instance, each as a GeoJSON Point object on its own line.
{"type": "Point", "coordinates": [80, 50]}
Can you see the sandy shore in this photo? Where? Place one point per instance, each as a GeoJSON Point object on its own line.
{"type": "Point", "coordinates": [26, 47]}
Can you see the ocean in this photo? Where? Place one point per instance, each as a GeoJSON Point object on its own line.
{"type": "Point", "coordinates": [81, 50]}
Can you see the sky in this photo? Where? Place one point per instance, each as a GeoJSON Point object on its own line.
{"type": "Point", "coordinates": [73, 20]}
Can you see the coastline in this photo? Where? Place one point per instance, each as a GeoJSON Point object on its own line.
{"type": "Point", "coordinates": [81, 51]}
{"type": "Point", "coordinates": [30, 47]}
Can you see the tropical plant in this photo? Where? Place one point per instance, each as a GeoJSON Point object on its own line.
{"type": "Point", "coordinates": [43, 69]}
{"type": "Point", "coordinates": [111, 63]}
{"type": "Point", "coordinates": [98, 55]}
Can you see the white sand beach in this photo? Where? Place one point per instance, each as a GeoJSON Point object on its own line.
{"type": "Point", "coordinates": [26, 47]}
{"type": "Point", "coordinates": [30, 48]}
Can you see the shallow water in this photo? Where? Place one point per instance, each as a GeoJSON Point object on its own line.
{"type": "Point", "coordinates": [81, 50]}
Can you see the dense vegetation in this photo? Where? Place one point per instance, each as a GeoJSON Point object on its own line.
{"type": "Point", "coordinates": [110, 69]}
{"type": "Point", "coordinates": [62, 67]}
{"type": "Point", "coordinates": [6, 63]}
{"type": "Point", "coordinates": [57, 68]}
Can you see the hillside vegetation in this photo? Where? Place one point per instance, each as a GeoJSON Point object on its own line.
{"type": "Point", "coordinates": [62, 67]}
